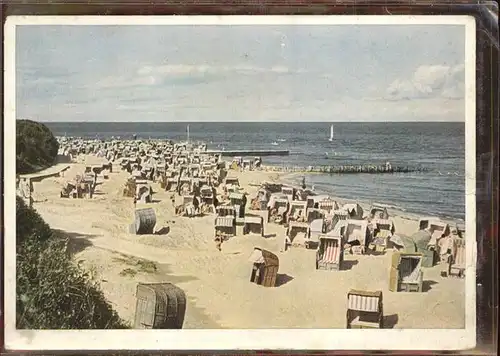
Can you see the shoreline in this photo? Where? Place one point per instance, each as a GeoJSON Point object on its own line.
{"type": "Point", "coordinates": [292, 177]}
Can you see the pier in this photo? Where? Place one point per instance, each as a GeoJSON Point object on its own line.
{"type": "Point", "coordinates": [253, 153]}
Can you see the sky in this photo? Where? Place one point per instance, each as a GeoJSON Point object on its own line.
{"type": "Point", "coordinates": [240, 73]}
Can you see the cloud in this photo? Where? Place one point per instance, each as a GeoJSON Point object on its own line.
{"type": "Point", "coordinates": [179, 74]}
{"type": "Point", "coordinates": [183, 69]}
{"type": "Point", "coordinates": [429, 81]}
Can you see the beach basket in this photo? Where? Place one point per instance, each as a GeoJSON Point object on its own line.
{"type": "Point", "coordinates": [422, 239]}
{"type": "Point", "coordinates": [159, 306]}
{"type": "Point", "coordinates": [253, 224]}
{"type": "Point", "coordinates": [406, 273]}
{"type": "Point", "coordinates": [145, 221]}
{"type": "Point", "coordinates": [265, 267]}
{"type": "Point", "coordinates": [365, 310]}
{"type": "Point", "coordinates": [225, 226]}
{"type": "Point", "coordinates": [330, 253]}
{"type": "Point", "coordinates": [457, 263]}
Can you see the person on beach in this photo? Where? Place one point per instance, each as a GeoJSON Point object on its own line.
{"type": "Point", "coordinates": [196, 204]}
{"type": "Point", "coordinates": [447, 246]}
{"type": "Point", "coordinates": [303, 182]}
{"type": "Point", "coordinates": [196, 189]}
{"type": "Point", "coordinates": [218, 243]}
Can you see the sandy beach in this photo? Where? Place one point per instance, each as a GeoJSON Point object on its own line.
{"type": "Point", "coordinates": [217, 282]}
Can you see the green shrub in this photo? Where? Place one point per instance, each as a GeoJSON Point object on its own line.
{"type": "Point", "coordinates": [36, 146]}
{"type": "Point", "coordinates": [52, 291]}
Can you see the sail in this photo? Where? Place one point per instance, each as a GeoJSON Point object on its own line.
{"type": "Point", "coordinates": [331, 133]}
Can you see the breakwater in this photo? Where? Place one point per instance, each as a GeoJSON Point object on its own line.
{"type": "Point", "coordinates": [349, 169]}
{"type": "Point", "coordinates": [253, 153]}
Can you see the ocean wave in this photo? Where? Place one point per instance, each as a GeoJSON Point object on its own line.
{"type": "Point", "coordinates": [390, 206]}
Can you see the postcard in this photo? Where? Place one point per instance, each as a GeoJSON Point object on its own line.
{"type": "Point", "coordinates": [240, 182]}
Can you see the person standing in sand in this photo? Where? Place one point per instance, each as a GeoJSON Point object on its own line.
{"type": "Point", "coordinates": [218, 243]}
{"type": "Point", "coordinates": [196, 204]}
{"type": "Point", "coordinates": [447, 246]}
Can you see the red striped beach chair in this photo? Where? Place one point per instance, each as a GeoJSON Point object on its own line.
{"type": "Point", "coordinates": [330, 253]}
{"type": "Point", "coordinates": [457, 262]}
{"type": "Point", "coordinates": [364, 310]}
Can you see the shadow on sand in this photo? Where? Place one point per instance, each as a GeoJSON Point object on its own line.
{"type": "Point", "coordinates": [77, 242]}
{"type": "Point", "coordinates": [269, 236]}
{"type": "Point", "coordinates": [390, 321]}
{"type": "Point", "coordinates": [427, 285]}
{"type": "Point", "coordinates": [347, 265]}
{"type": "Point", "coordinates": [282, 279]}
{"type": "Point", "coordinates": [163, 231]}
{"type": "Point", "coordinates": [63, 159]}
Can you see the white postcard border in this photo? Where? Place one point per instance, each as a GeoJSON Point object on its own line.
{"type": "Point", "coordinates": [285, 339]}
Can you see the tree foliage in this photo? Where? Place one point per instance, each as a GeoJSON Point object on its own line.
{"type": "Point", "coordinates": [36, 146]}
{"type": "Point", "coordinates": [52, 291]}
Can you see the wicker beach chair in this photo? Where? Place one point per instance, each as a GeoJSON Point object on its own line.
{"type": "Point", "coordinates": [253, 224]}
{"type": "Point", "coordinates": [159, 306]}
{"type": "Point", "coordinates": [225, 227]}
{"type": "Point", "coordinates": [330, 253]}
{"type": "Point", "coordinates": [457, 262]}
{"type": "Point", "coordinates": [365, 310]}
{"type": "Point", "coordinates": [265, 266]}
{"type": "Point", "coordinates": [406, 273]}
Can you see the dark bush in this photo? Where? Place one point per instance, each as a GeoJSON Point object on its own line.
{"type": "Point", "coordinates": [36, 146]}
{"type": "Point", "coordinates": [52, 291]}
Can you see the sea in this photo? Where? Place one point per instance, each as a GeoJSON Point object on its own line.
{"type": "Point", "coordinates": [439, 148]}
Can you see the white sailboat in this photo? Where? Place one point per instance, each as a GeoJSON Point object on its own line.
{"type": "Point", "coordinates": [187, 133]}
{"type": "Point", "coordinates": [331, 134]}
